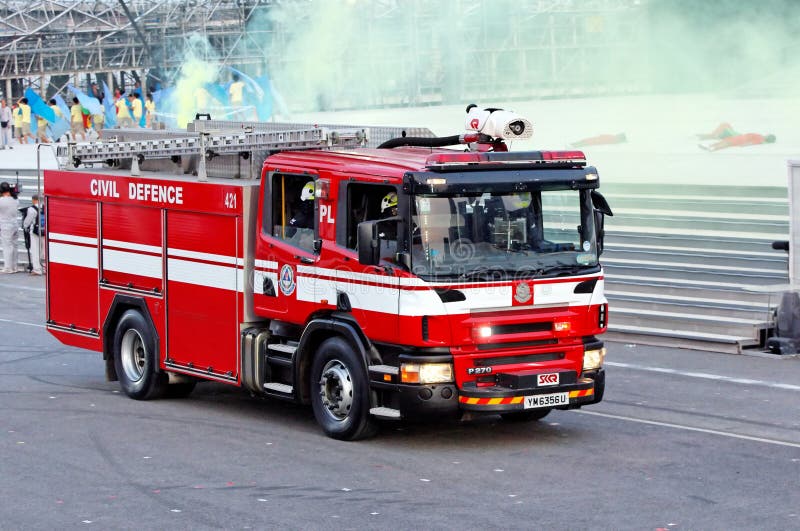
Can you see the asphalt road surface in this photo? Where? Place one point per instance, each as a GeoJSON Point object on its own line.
{"type": "Point", "coordinates": [683, 440]}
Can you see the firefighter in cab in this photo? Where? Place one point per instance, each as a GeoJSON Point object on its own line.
{"type": "Point", "coordinates": [301, 225]}
{"type": "Point", "coordinates": [303, 216]}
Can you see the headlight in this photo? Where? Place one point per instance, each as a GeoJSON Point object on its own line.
{"type": "Point", "coordinates": [593, 359]}
{"type": "Point", "coordinates": [481, 332]}
{"type": "Point", "coordinates": [426, 373]}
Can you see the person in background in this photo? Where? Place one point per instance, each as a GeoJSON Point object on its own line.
{"type": "Point", "coordinates": [98, 122]}
{"type": "Point", "coordinates": [727, 137]}
{"type": "Point", "coordinates": [95, 92]}
{"type": "Point", "coordinates": [600, 140]}
{"type": "Point", "coordinates": [58, 113]}
{"type": "Point", "coordinates": [136, 108]}
{"type": "Point", "coordinates": [31, 225]}
{"type": "Point", "coordinates": [25, 122]}
{"type": "Point", "coordinates": [723, 130]}
{"type": "Point", "coordinates": [56, 109]}
{"type": "Point", "coordinates": [739, 140]}
{"type": "Point", "coordinates": [76, 120]}
{"type": "Point", "coordinates": [5, 122]}
{"type": "Point", "coordinates": [9, 225]}
{"type": "Point", "coordinates": [201, 98]}
{"type": "Point", "coordinates": [41, 130]}
{"type": "Point", "coordinates": [236, 95]}
{"type": "Point", "coordinates": [149, 111]}
{"type": "Point", "coordinates": [17, 122]}
{"type": "Point", "coordinates": [123, 112]}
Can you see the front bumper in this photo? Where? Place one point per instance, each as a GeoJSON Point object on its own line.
{"type": "Point", "coordinates": [503, 400]}
{"type": "Point", "coordinates": [446, 400]}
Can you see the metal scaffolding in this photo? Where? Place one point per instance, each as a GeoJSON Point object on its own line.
{"type": "Point", "coordinates": [61, 40]}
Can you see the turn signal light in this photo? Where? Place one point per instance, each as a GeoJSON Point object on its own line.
{"type": "Point", "coordinates": [426, 373]}
{"type": "Point", "coordinates": [562, 326]}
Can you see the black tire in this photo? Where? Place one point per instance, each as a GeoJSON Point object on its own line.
{"type": "Point", "coordinates": [526, 415]}
{"type": "Point", "coordinates": [135, 358]}
{"type": "Point", "coordinates": [340, 392]}
{"type": "Point", "coordinates": [180, 390]}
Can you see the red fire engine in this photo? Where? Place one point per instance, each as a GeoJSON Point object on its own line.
{"type": "Point", "coordinates": [392, 282]}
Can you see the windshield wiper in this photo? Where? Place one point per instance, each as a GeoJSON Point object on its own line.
{"type": "Point", "coordinates": [565, 269]}
{"type": "Point", "coordinates": [488, 273]}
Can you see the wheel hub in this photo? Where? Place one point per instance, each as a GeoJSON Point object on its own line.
{"type": "Point", "coordinates": [336, 389]}
{"type": "Point", "coordinates": [133, 355]}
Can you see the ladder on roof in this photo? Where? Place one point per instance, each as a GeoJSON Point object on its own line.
{"type": "Point", "coordinates": [208, 145]}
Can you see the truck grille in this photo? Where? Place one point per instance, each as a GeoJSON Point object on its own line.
{"type": "Point", "coordinates": [525, 358]}
{"type": "Point", "coordinates": [517, 344]}
{"type": "Point", "coordinates": [522, 328]}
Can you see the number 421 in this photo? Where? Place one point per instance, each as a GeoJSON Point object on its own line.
{"type": "Point", "coordinates": [230, 200]}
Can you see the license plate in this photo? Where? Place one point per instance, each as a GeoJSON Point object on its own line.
{"type": "Point", "coordinates": [551, 400]}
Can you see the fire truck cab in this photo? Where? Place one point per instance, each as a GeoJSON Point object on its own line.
{"type": "Point", "coordinates": [402, 281]}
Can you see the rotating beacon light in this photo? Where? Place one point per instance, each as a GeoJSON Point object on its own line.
{"type": "Point", "coordinates": [498, 123]}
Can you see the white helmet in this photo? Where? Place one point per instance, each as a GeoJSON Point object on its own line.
{"type": "Point", "coordinates": [389, 201]}
{"type": "Point", "coordinates": [308, 192]}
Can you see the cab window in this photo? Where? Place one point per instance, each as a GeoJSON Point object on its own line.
{"type": "Point", "coordinates": [368, 202]}
{"type": "Point", "coordinates": [293, 207]}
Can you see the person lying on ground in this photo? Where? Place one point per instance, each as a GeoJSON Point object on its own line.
{"type": "Point", "coordinates": [747, 139]}
{"type": "Point", "coordinates": [600, 140]}
{"type": "Point", "coordinates": [723, 130]}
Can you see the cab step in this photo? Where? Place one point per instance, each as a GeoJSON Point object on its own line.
{"type": "Point", "coordinates": [281, 353]}
{"type": "Point", "coordinates": [275, 387]}
{"type": "Point", "coordinates": [385, 413]}
{"type": "Point", "coordinates": [282, 348]}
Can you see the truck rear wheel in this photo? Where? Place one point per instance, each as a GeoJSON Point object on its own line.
{"type": "Point", "coordinates": [526, 415]}
{"type": "Point", "coordinates": [135, 358]}
{"type": "Point", "coordinates": [340, 392]}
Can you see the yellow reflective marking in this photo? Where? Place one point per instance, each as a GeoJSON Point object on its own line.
{"type": "Point", "coordinates": [517, 399]}
{"type": "Point", "coordinates": [495, 401]}
{"type": "Point", "coordinates": [472, 400]}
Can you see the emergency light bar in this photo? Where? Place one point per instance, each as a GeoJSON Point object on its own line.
{"type": "Point", "coordinates": [477, 160]}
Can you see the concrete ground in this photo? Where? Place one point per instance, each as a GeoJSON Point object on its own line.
{"type": "Point", "coordinates": [683, 440]}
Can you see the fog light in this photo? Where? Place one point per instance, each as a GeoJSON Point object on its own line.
{"type": "Point", "coordinates": [593, 359]}
{"type": "Point", "coordinates": [426, 373]}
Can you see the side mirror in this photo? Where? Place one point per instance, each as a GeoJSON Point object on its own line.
{"type": "Point", "coordinates": [370, 234]}
{"type": "Point", "coordinates": [368, 243]}
{"type": "Point", "coordinates": [600, 204]}
{"type": "Point", "coordinates": [601, 210]}
{"type": "Point", "coordinates": [599, 221]}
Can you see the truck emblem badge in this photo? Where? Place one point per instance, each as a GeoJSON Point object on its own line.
{"type": "Point", "coordinates": [547, 379]}
{"type": "Point", "coordinates": [286, 282]}
{"type": "Point", "coordinates": [522, 293]}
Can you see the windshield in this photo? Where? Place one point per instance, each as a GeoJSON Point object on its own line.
{"type": "Point", "coordinates": [501, 236]}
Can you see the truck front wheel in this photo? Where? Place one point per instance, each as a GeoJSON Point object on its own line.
{"type": "Point", "coordinates": [135, 358]}
{"type": "Point", "coordinates": [340, 392]}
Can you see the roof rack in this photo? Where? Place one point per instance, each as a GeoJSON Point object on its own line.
{"type": "Point", "coordinates": [207, 145]}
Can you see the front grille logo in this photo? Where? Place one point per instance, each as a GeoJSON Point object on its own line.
{"type": "Point", "coordinates": [522, 293]}
{"type": "Point", "coordinates": [547, 379]}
